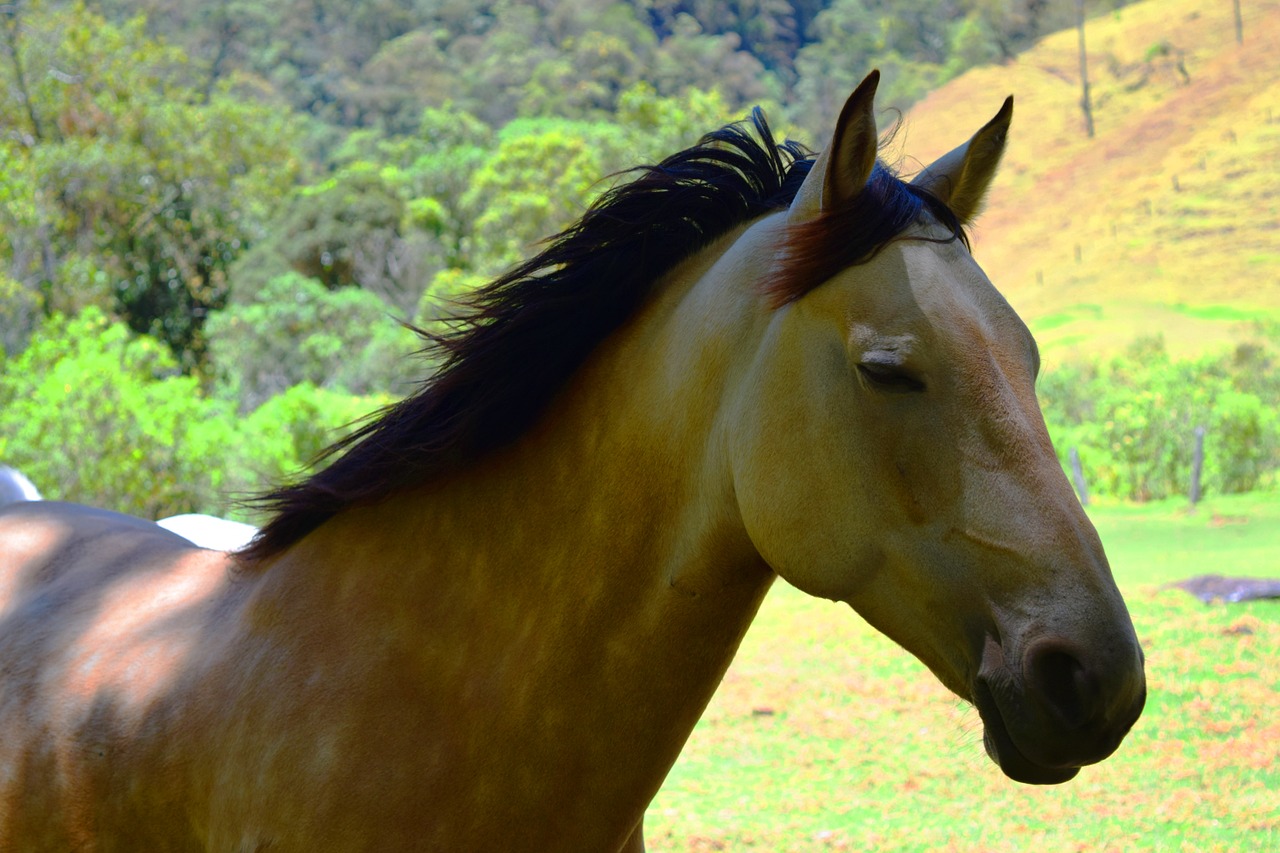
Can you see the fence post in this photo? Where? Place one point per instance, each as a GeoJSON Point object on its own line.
{"type": "Point", "coordinates": [1197, 465]}
{"type": "Point", "coordinates": [1077, 474]}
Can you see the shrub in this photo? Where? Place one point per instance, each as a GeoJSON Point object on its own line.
{"type": "Point", "coordinates": [296, 331]}
{"type": "Point", "coordinates": [95, 415]}
{"type": "Point", "coordinates": [286, 435]}
{"type": "Point", "coordinates": [1133, 421]}
{"type": "Point", "coordinates": [1242, 443]}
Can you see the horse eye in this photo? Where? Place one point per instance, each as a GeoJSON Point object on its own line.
{"type": "Point", "coordinates": [885, 377]}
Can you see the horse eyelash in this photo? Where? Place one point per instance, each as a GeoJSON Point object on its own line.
{"type": "Point", "coordinates": [886, 378]}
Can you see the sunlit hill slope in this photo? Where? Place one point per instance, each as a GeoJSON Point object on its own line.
{"type": "Point", "coordinates": [1168, 221]}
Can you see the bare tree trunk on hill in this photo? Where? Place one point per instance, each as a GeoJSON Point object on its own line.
{"type": "Point", "coordinates": [1239, 23]}
{"type": "Point", "coordinates": [12, 27]}
{"type": "Point", "coordinates": [1085, 104]}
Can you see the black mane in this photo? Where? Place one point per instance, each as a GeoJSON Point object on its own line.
{"type": "Point", "coordinates": [521, 337]}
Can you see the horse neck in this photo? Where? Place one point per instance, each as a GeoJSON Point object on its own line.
{"type": "Point", "coordinates": [565, 607]}
{"type": "Point", "coordinates": [619, 500]}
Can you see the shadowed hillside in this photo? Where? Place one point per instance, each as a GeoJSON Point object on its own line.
{"type": "Point", "coordinates": [1169, 220]}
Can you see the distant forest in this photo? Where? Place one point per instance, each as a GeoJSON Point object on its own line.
{"type": "Point", "coordinates": [379, 63]}
{"type": "Point", "coordinates": [152, 148]}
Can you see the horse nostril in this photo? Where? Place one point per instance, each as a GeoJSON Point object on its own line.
{"type": "Point", "coordinates": [1061, 682]}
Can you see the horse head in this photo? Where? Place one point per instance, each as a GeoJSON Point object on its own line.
{"type": "Point", "coordinates": [898, 391]}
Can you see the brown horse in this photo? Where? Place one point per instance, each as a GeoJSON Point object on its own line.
{"type": "Point", "coordinates": [492, 621]}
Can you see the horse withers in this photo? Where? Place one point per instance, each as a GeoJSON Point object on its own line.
{"type": "Point", "coordinates": [491, 622]}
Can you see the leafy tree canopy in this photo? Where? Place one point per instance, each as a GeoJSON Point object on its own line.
{"type": "Point", "coordinates": [294, 330]}
{"type": "Point", "coordinates": [125, 185]}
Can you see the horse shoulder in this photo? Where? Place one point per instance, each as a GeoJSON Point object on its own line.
{"type": "Point", "coordinates": [117, 613]}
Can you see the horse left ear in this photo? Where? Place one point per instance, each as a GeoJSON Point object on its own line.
{"type": "Point", "coordinates": [961, 177]}
{"type": "Point", "coordinates": [842, 169]}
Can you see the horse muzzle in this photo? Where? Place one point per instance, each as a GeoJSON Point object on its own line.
{"type": "Point", "coordinates": [1060, 709]}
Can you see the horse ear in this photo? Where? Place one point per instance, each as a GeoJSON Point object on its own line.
{"type": "Point", "coordinates": [842, 169]}
{"type": "Point", "coordinates": [961, 177]}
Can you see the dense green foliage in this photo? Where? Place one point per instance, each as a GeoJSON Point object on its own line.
{"type": "Point", "coordinates": [378, 63]}
{"type": "Point", "coordinates": [164, 158]}
{"type": "Point", "coordinates": [97, 415]}
{"type": "Point", "coordinates": [124, 186]}
{"type": "Point", "coordinates": [94, 413]}
{"type": "Point", "coordinates": [295, 331]}
{"type": "Point", "coordinates": [1133, 420]}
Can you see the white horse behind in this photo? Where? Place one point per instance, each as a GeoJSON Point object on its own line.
{"type": "Point", "coordinates": [15, 487]}
{"type": "Point", "coordinates": [209, 531]}
{"type": "Point", "coordinates": [206, 531]}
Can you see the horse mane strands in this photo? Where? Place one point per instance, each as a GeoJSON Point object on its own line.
{"type": "Point", "coordinates": [518, 339]}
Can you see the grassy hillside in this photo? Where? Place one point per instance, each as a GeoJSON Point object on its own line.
{"type": "Point", "coordinates": [1168, 221]}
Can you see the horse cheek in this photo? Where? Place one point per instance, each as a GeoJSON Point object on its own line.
{"type": "Point", "coordinates": [803, 495]}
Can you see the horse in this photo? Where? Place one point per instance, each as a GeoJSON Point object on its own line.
{"type": "Point", "coordinates": [209, 531]}
{"type": "Point", "coordinates": [15, 487]}
{"type": "Point", "coordinates": [493, 619]}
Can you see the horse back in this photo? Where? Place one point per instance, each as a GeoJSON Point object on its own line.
{"type": "Point", "coordinates": [100, 614]}
{"type": "Point", "coordinates": [46, 545]}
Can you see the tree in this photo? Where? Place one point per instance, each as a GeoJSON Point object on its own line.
{"type": "Point", "coordinates": [139, 190]}
{"type": "Point", "coordinates": [538, 180]}
{"type": "Point", "coordinates": [295, 331]}
{"type": "Point", "coordinates": [288, 433]}
{"type": "Point", "coordinates": [771, 31]}
{"type": "Point", "coordinates": [658, 126]}
{"type": "Point", "coordinates": [10, 24]}
{"type": "Point", "coordinates": [95, 415]}
{"type": "Point", "coordinates": [98, 415]}
{"type": "Point", "coordinates": [386, 219]}
{"type": "Point", "coordinates": [692, 57]}
{"type": "Point", "coordinates": [346, 231]}
{"type": "Point", "coordinates": [909, 41]}
{"type": "Point", "coordinates": [1134, 420]}
{"type": "Point", "coordinates": [1086, 103]}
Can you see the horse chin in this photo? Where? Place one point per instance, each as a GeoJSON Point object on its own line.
{"type": "Point", "coordinates": [1017, 766]}
{"type": "Point", "coordinates": [1005, 753]}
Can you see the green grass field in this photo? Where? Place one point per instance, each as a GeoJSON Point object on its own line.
{"type": "Point", "coordinates": [824, 735]}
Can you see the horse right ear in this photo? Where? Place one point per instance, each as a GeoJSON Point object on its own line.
{"type": "Point", "coordinates": [843, 168]}
{"type": "Point", "coordinates": [961, 177]}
